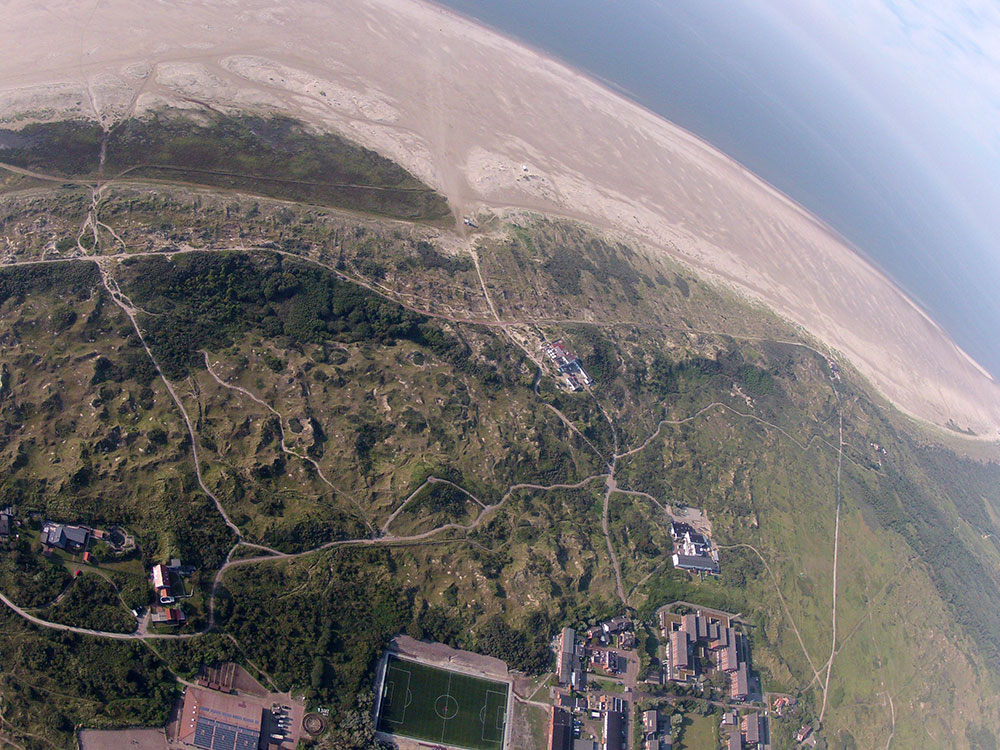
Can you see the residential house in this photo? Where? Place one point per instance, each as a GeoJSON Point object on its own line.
{"type": "Point", "coordinates": [67, 538]}
{"type": "Point", "coordinates": [679, 657]}
{"type": "Point", "coordinates": [166, 616]}
{"type": "Point", "coordinates": [739, 683]}
{"type": "Point", "coordinates": [161, 583]}
{"type": "Point", "coordinates": [751, 730]}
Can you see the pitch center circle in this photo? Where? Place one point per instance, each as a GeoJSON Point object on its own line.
{"type": "Point", "coordinates": [446, 707]}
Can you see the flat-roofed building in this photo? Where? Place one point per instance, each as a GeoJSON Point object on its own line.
{"type": "Point", "coordinates": [560, 730]}
{"type": "Point", "coordinates": [567, 663]}
{"type": "Point", "coordinates": [614, 730]}
{"type": "Point", "coordinates": [733, 741]}
{"type": "Point", "coordinates": [217, 721]}
{"type": "Point", "coordinates": [650, 721]}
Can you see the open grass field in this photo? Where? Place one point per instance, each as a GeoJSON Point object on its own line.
{"type": "Point", "coordinates": [700, 733]}
{"type": "Point", "coordinates": [428, 703]}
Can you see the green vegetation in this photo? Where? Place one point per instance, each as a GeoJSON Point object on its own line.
{"type": "Point", "coordinates": [320, 404]}
{"type": "Point", "coordinates": [92, 602]}
{"type": "Point", "coordinates": [53, 681]}
{"type": "Point", "coordinates": [428, 703]}
{"type": "Point", "coordinates": [275, 157]}
{"type": "Point", "coordinates": [28, 578]}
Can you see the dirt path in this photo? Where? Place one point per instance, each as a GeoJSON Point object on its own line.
{"type": "Point", "coordinates": [612, 486]}
{"type": "Point", "coordinates": [784, 604]}
{"type": "Point", "coordinates": [119, 299]}
{"type": "Point", "coordinates": [388, 539]}
{"type": "Point", "coordinates": [836, 551]}
{"type": "Point", "coordinates": [284, 444]}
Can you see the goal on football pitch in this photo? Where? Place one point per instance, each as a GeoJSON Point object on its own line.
{"type": "Point", "coordinates": [429, 703]}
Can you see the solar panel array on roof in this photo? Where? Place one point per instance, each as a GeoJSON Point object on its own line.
{"type": "Point", "coordinates": [203, 733]}
{"type": "Point", "coordinates": [218, 735]}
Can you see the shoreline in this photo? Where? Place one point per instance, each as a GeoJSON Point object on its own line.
{"type": "Point", "coordinates": [465, 108]}
{"type": "Point", "coordinates": [618, 90]}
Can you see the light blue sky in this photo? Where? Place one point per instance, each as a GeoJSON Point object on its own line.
{"type": "Point", "coordinates": [932, 69]}
{"type": "Point", "coordinates": [882, 117]}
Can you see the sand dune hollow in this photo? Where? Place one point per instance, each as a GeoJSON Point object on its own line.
{"type": "Point", "coordinates": [466, 110]}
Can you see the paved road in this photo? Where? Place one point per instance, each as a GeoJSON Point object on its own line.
{"type": "Point", "coordinates": [134, 636]}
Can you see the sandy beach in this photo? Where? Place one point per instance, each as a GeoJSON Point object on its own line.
{"type": "Point", "coordinates": [494, 126]}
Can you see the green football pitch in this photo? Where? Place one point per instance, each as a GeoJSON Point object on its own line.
{"type": "Point", "coordinates": [438, 705]}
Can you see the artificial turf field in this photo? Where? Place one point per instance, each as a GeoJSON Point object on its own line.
{"type": "Point", "coordinates": [429, 703]}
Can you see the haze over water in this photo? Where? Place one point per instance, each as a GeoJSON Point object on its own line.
{"type": "Point", "coordinates": [753, 84]}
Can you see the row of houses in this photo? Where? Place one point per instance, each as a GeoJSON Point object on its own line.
{"type": "Point", "coordinates": [748, 732]}
{"type": "Point", "coordinates": [701, 642]}
{"type": "Point", "coordinates": [564, 728]}
{"type": "Point", "coordinates": [573, 649]}
{"type": "Point", "coordinates": [653, 737]}
{"type": "Point", "coordinates": [569, 666]}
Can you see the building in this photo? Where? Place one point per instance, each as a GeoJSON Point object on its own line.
{"type": "Point", "coordinates": [568, 668]}
{"type": "Point", "coordinates": [216, 721]}
{"type": "Point", "coordinates": [166, 616]}
{"type": "Point", "coordinates": [560, 730]}
{"type": "Point", "coordinates": [733, 741]}
{"type": "Point", "coordinates": [739, 683]}
{"type": "Point", "coordinates": [697, 563]}
{"type": "Point", "coordinates": [689, 624]}
{"type": "Point", "coordinates": [161, 583]}
{"type": "Point", "coordinates": [729, 719]}
{"type": "Point", "coordinates": [679, 658]}
{"type": "Point", "coordinates": [693, 551]}
{"type": "Point", "coordinates": [718, 636]}
{"type": "Point", "coordinates": [730, 661]}
{"type": "Point", "coordinates": [67, 538]}
{"type": "Point", "coordinates": [584, 745]}
{"type": "Point", "coordinates": [751, 729]}
{"type": "Point", "coordinates": [650, 721]}
{"type": "Point", "coordinates": [617, 625]}
{"type": "Point", "coordinates": [6, 524]}
{"type": "Point", "coordinates": [614, 730]}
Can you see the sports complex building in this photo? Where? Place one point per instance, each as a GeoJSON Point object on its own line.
{"type": "Point", "coordinates": [211, 720]}
{"type": "Point", "coordinates": [437, 704]}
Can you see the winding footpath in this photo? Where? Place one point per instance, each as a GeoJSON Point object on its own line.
{"type": "Point", "coordinates": [382, 536]}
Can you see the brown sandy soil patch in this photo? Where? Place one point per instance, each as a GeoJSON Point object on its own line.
{"type": "Point", "coordinates": [495, 127]}
{"type": "Point", "coordinates": [134, 739]}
